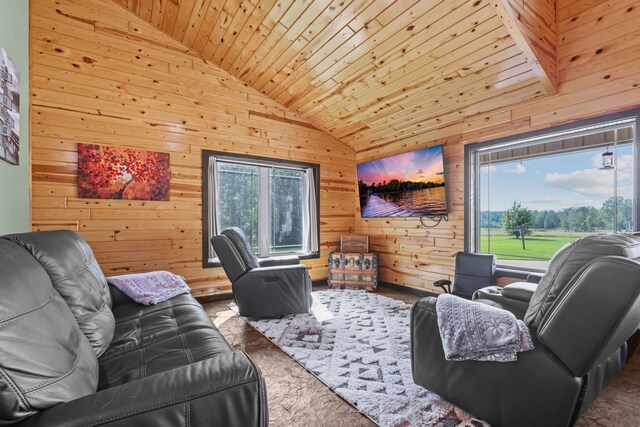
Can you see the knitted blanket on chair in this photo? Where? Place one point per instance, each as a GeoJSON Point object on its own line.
{"type": "Point", "coordinates": [474, 331]}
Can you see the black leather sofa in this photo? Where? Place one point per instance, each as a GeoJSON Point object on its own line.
{"type": "Point", "coordinates": [77, 352]}
{"type": "Point", "coordinates": [581, 313]}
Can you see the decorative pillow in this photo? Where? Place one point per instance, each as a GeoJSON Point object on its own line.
{"type": "Point", "coordinates": [150, 288]}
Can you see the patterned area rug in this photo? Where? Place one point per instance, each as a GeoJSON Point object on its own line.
{"type": "Point", "coordinates": [358, 344]}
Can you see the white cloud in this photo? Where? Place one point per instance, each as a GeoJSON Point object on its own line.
{"type": "Point", "coordinates": [588, 182]}
{"type": "Point", "coordinates": [625, 162]}
{"type": "Point", "coordinates": [557, 201]}
{"type": "Point", "coordinates": [517, 169]}
{"type": "Point", "coordinates": [596, 161]}
{"type": "Point", "coordinates": [595, 182]}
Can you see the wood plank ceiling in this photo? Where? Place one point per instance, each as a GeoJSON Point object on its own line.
{"type": "Point", "coordinates": [374, 72]}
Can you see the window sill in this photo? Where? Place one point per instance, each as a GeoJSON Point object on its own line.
{"type": "Point", "coordinates": [312, 255]}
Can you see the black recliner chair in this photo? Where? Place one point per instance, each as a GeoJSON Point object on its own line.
{"type": "Point", "coordinates": [268, 287]}
{"type": "Point", "coordinates": [580, 315]}
{"type": "Point", "coordinates": [473, 272]}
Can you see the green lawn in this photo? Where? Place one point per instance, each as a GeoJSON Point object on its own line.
{"type": "Point", "coordinates": [541, 246]}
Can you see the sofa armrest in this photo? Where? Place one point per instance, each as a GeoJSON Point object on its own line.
{"type": "Point", "coordinates": [224, 390]}
{"type": "Point", "coordinates": [279, 260]}
{"type": "Point", "coordinates": [494, 296]}
{"type": "Point", "coordinates": [589, 321]}
{"type": "Point", "coordinates": [442, 283]}
{"type": "Point", "coordinates": [273, 291]}
{"type": "Point", "coordinates": [273, 273]}
{"type": "Point", "coordinates": [520, 291]}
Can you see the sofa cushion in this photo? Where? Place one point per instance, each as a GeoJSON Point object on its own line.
{"type": "Point", "coordinates": [570, 259]}
{"type": "Point", "coordinates": [44, 357]}
{"type": "Point", "coordinates": [76, 275]}
{"type": "Point", "coordinates": [138, 326]}
{"type": "Point", "coordinates": [241, 243]}
{"type": "Point", "coordinates": [153, 339]}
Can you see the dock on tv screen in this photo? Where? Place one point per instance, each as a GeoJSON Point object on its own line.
{"type": "Point", "coordinates": [409, 184]}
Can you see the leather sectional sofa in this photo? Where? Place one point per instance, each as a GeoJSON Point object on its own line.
{"type": "Point", "coordinates": [76, 352]}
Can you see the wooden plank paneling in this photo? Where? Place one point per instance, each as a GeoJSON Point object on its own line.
{"type": "Point", "coordinates": [100, 74]}
{"type": "Point", "coordinates": [533, 26]}
{"type": "Point", "coordinates": [599, 61]}
{"type": "Point", "coordinates": [383, 76]}
{"type": "Point", "coordinates": [353, 68]}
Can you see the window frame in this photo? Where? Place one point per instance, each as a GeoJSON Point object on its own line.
{"type": "Point", "coordinates": [472, 174]}
{"type": "Point", "coordinates": [259, 161]}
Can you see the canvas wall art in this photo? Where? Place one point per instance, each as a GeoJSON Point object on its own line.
{"type": "Point", "coordinates": [122, 173]}
{"type": "Point", "coordinates": [9, 110]}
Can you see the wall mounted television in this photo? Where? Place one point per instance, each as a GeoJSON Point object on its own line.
{"type": "Point", "coordinates": [405, 185]}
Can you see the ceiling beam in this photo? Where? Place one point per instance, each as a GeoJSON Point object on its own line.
{"type": "Point", "coordinates": [532, 25]}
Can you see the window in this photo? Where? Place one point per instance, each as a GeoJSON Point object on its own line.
{"type": "Point", "coordinates": [529, 195]}
{"type": "Point", "coordinates": [275, 203]}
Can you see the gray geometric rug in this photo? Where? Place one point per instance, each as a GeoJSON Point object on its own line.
{"type": "Point", "coordinates": [358, 344]}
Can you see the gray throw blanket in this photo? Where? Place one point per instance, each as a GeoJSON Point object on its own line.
{"type": "Point", "coordinates": [150, 288]}
{"type": "Point", "coordinates": [474, 331]}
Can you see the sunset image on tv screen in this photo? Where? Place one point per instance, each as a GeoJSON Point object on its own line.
{"type": "Point", "coordinates": [409, 184]}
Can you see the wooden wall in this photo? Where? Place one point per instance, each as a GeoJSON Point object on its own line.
{"type": "Point", "coordinates": [533, 26]}
{"type": "Point", "coordinates": [368, 71]}
{"type": "Point", "coordinates": [102, 75]}
{"type": "Point", "coordinates": [598, 73]}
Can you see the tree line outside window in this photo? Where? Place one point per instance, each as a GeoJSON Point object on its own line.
{"type": "Point", "coordinates": [531, 196]}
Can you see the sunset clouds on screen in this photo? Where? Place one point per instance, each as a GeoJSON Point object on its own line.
{"type": "Point", "coordinates": [424, 165]}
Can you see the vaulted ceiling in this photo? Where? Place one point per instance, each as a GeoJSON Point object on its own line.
{"type": "Point", "coordinates": [373, 72]}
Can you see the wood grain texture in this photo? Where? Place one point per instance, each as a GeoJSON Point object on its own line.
{"type": "Point", "coordinates": [599, 73]}
{"type": "Point", "coordinates": [102, 75]}
{"type": "Point", "coordinates": [533, 26]}
{"type": "Point", "coordinates": [370, 72]}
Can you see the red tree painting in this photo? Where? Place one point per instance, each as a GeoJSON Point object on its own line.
{"type": "Point", "coordinates": [122, 173]}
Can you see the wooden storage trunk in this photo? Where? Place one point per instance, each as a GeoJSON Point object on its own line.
{"type": "Point", "coordinates": [353, 271]}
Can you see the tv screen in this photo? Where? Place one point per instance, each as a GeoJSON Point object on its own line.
{"type": "Point", "coordinates": [409, 184]}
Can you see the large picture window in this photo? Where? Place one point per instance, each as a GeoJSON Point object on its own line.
{"type": "Point", "coordinates": [275, 203]}
{"type": "Point", "coordinates": [530, 195]}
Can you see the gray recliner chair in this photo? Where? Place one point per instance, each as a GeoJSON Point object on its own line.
{"type": "Point", "coordinates": [473, 272]}
{"type": "Point", "coordinates": [580, 315]}
{"type": "Point", "coordinates": [268, 287]}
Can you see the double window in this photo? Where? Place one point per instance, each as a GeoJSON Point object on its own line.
{"type": "Point", "coordinates": [275, 203]}
{"type": "Point", "coordinates": [529, 195]}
